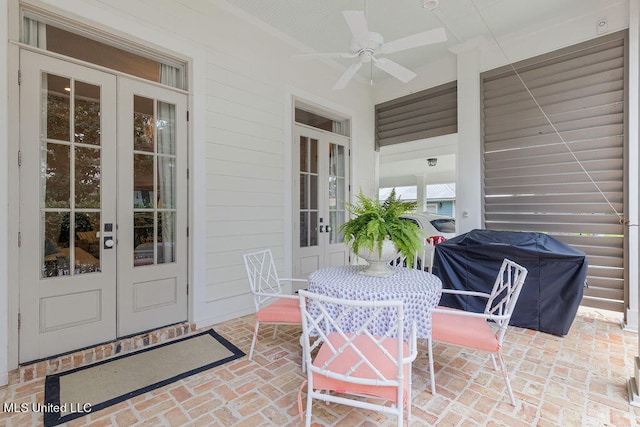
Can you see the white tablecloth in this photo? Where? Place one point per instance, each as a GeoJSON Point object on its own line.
{"type": "Point", "coordinates": [419, 290]}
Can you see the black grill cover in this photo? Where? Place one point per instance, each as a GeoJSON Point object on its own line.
{"type": "Point", "coordinates": [552, 290]}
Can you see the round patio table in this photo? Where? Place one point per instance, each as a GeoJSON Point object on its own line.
{"type": "Point", "coordinates": [420, 291]}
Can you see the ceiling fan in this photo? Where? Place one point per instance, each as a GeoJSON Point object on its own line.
{"type": "Point", "coordinates": [367, 45]}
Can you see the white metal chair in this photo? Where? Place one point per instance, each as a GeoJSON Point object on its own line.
{"type": "Point", "coordinates": [474, 330]}
{"type": "Point", "coordinates": [353, 365]}
{"type": "Point", "coordinates": [272, 306]}
{"type": "Point", "coordinates": [422, 260]}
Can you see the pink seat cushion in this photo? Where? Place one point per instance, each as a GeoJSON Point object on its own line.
{"type": "Point", "coordinates": [282, 310]}
{"type": "Point", "coordinates": [345, 361]}
{"type": "Point", "coordinates": [473, 332]}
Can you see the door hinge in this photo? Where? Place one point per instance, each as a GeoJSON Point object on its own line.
{"type": "Point", "coordinates": [187, 231]}
{"type": "Point", "coordinates": [187, 173]}
{"type": "Point", "coordinates": [19, 321]}
{"type": "Point", "coordinates": [19, 239]}
{"type": "Point", "coordinates": [187, 115]}
{"type": "Point", "coordinates": [19, 77]}
{"type": "Point", "coordinates": [19, 158]}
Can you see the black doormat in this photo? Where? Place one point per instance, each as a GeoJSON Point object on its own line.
{"type": "Point", "coordinates": [78, 392]}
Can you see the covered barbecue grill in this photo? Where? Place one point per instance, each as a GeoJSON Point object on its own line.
{"type": "Point", "coordinates": [552, 290]}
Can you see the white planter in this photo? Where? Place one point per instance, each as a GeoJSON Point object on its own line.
{"type": "Point", "coordinates": [379, 263]}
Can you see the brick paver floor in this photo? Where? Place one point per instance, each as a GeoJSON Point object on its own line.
{"type": "Point", "coordinates": [576, 380]}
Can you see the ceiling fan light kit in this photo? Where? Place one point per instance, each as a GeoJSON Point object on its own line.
{"type": "Point", "coordinates": [366, 46]}
{"type": "Point", "coordinates": [430, 4]}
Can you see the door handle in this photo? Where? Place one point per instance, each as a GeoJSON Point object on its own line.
{"type": "Point", "coordinates": [108, 242]}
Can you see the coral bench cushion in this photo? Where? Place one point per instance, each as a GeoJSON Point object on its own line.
{"type": "Point", "coordinates": [283, 310]}
{"type": "Point", "coordinates": [466, 331]}
{"type": "Point", "coordinates": [348, 358]}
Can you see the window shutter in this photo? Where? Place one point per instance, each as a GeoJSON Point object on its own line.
{"type": "Point", "coordinates": [425, 114]}
{"type": "Point", "coordinates": [533, 182]}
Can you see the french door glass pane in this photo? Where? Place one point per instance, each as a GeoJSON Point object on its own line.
{"type": "Point", "coordinates": [143, 181]}
{"type": "Point", "coordinates": [143, 236]}
{"type": "Point", "coordinates": [143, 124]}
{"type": "Point", "coordinates": [70, 177]}
{"type": "Point", "coordinates": [56, 176]}
{"type": "Point", "coordinates": [57, 90]}
{"type": "Point", "coordinates": [313, 156]}
{"type": "Point", "coordinates": [86, 242]}
{"type": "Point", "coordinates": [304, 155]}
{"type": "Point", "coordinates": [166, 237]}
{"type": "Point", "coordinates": [336, 191]}
{"type": "Point", "coordinates": [55, 263]}
{"type": "Point", "coordinates": [87, 113]}
{"type": "Point", "coordinates": [166, 128]}
{"type": "Point", "coordinates": [87, 177]}
{"type": "Point", "coordinates": [313, 229]}
{"type": "Point", "coordinates": [166, 182]}
{"type": "Point", "coordinates": [304, 199]}
{"type": "Point", "coordinates": [304, 229]}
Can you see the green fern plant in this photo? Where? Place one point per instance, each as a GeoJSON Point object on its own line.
{"type": "Point", "coordinates": [373, 221]}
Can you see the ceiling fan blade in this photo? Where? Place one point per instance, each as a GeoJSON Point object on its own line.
{"type": "Point", "coordinates": [393, 68]}
{"type": "Point", "coordinates": [357, 23]}
{"type": "Point", "coordinates": [421, 39]}
{"type": "Point", "coordinates": [347, 76]}
{"type": "Point", "coordinates": [305, 56]}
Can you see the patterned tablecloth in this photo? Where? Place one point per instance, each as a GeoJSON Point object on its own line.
{"type": "Point", "coordinates": [419, 290]}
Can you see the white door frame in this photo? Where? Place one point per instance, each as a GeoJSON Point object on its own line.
{"type": "Point", "coordinates": [182, 295]}
{"type": "Point", "coordinates": [294, 97]}
{"type": "Point", "coordinates": [320, 251]}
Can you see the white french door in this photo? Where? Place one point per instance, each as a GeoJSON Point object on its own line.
{"type": "Point", "coordinates": [321, 187]}
{"type": "Point", "coordinates": [152, 209]}
{"type": "Point", "coordinates": [102, 212]}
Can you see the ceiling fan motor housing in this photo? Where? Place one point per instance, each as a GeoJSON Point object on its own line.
{"type": "Point", "coordinates": [373, 46]}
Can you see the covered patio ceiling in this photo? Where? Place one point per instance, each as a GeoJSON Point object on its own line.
{"type": "Point", "coordinates": [319, 26]}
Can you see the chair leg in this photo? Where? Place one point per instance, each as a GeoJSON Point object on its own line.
{"type": "Point", "coordinates": [255, 338]}
{"type": "Point", "coordinates": [505, 373]}
{"type": "Point", "coordinates": [275, 330]}
{"type": "Point", "coordinates": [309, 403]}
{"type": "Point", "coordinates": [408, 409]}
{"type": "Point", "coordinates": [493, 359]}
{"type": "Point", "coordinates": [431, 370]}
{"type": "Point", "coordinates": [304, 362]}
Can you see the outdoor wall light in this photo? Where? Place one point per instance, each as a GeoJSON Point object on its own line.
{"type": "Point", "coordinates": [432, 161]}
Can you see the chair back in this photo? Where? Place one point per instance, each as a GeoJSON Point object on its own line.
{"type": "Point", "coordinates": [422, 260]}
{"type": "Point", "coordinates": [263, 277]}
{"type": "Point", "coordinates": [505, 293]}
{"type": "Point", "coordinates": [352, 354]}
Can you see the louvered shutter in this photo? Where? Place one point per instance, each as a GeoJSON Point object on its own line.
{"type": "Point", "coordinates": [533, 182]}
{"type": "Point", "coordinates": [425, 114]}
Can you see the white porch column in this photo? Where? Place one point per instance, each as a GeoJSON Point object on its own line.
{"type": "Point", "coordinates": [421, 195]}
{"type": "Point", "coordinates": [468, 160]}
{"type": "Point", "coordinates": [632, 216]}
